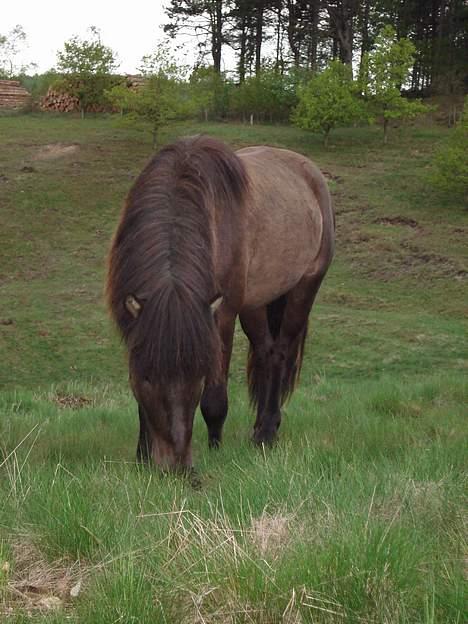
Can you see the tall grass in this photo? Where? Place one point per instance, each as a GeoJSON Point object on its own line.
{"type": "Point", "coordinates": [357, 515]}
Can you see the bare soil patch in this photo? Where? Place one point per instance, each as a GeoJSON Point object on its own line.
{"type": "Point", "coordinates": [55, 150]}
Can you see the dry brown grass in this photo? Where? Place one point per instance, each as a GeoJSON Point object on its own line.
{"type": "Point", "coordinates": [34, 584]}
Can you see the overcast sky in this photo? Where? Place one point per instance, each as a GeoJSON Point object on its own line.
{"type": "Point", "coordinates": [132, 29]}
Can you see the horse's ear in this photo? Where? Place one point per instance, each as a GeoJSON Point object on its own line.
{"type": "Point", "coordinates": [133, 305]}
{"type": "Point", "coordinates": [215, 304]}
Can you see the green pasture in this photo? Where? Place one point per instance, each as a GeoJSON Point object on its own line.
{"type": "Point", "coordinates": [357, 515]}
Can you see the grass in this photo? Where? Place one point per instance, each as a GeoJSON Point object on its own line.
{"type": "Point", "coordinates": [356, 516]}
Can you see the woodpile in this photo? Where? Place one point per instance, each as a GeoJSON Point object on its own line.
{"type": "Point", "coordinates": [13, 95]}
{"type": "Point", "coordinates": [59, 102]}
{"type": "Point", "coordinates": [135, 82]}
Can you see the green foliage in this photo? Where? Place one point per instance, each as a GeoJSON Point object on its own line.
{"type": "Point", "coordinates": [163, 97]}
{"type": "Point", "coordinates": [451, 162]}
{"type": "Point", "coordinates": [86, 57]}
{"type": "Point", "coordinates": [87, 66]}
{"type": "Point", "coordinates": [384, 71]}
{"type": "Point", "coordinates": [209, 92]}
{"type": "Point", "coordinates": [268, 96]}
{"type": "Point", "coordinates": [38, 84]}
{"type": "Point", "coordinates": [329, 100]}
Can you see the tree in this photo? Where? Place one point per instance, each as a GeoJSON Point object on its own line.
{"type": "Point", "coordinates": [384, 70]}
{"type": "Point", "coordinates": [342, 14]}
{"type": "Point", "coordinates": [161, 98]}
{"type": "Point", "coordinates": [328, 100]}
{"type": "Point", "coordinates": [204, 19]}
{"type": "Point", "coordinates": [11, 45]}
{"type": "Point", "coordinates": [87, 66]}
{"type": "Point", "coordinates": [208, 91]}
{"type": "Point", "coordinates": [303, 31]}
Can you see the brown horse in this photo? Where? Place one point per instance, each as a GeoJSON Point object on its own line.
{"type": "Point", "coordinates": [207, 235]}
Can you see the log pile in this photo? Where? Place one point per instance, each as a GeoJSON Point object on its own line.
{"type": "Point", "coordinates": [59, 102]}
{"type": "Point", "coordinates": [135, 82]}
{"type": "Point", "coordinates": [13, 95]}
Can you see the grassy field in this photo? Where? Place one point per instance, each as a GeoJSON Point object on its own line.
{"type": "Point", "coordinates": [357, 515]}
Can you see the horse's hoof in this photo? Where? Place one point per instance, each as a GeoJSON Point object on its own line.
{"type": "Point", "coordinates": [214, 442]}
{"type": "Point", "coordinates": [264, 438]}
{"type": "Point", "coordinates": [195, 480]}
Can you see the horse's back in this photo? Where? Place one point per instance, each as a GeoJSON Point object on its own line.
{"type": "Point", "coordinates": [290, 222]}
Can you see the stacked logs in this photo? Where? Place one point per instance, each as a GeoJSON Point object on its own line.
{"type": "Point", "coordinates": [59, 102]}
{"type": "Point", "coordinates": [13, 95]}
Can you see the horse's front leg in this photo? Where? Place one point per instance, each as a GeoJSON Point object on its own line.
{"type": "Point", "coordinates": [214, 401]}
{"type": "Point", "coordinates": [143, 452]}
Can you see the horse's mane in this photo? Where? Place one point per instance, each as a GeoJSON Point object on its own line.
{"type": "Point", "coordinates": [162, 257]}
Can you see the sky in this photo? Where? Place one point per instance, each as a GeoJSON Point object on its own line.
{"type": "Point", "coordinates": [132, 29]}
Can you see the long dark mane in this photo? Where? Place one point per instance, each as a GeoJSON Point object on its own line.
{"type": "Point", "coordinates": [162, 257]}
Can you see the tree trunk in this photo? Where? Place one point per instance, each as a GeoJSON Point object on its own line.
{"type": "Point", "coordinates": [342, 17]}
{"type": "Point", "coordinates": [258, 38]}
{"type": "Point", "coordinates": [243, 45]}
{"type": "Point", "coordinates": [365, 39]}
{"type": "Point", "coordinates": [385, 131]}
{"type": "Point", "coordinates": [217, 35]}
{"type": "Point", "coordinates": [314, 35]}
{"type": "Point", "coordinates": [278, 35]}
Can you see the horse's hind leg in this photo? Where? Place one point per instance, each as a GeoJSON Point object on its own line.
{"type": "Point", "coordinates": [258, 328]}
{"type": "Point", "coordinates": [214, 401]}
{"type": "Point", "coordinates": [282, 366]}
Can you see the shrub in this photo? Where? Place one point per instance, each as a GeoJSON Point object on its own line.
{"type": "Point", "coordinates": [450, 161]}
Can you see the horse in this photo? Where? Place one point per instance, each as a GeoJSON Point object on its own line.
{"type": "Point", "coordinates": [207, 235]}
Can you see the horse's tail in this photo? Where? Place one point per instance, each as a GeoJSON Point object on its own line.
{"type": "Point", "coordinates": [293, 366]}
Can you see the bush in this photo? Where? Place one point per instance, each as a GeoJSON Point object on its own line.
{"type": "Point", "coordinates": [450, 161]}
{"type": "Point", "coordinates": [270, 96]}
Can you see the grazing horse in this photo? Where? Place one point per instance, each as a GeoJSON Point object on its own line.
{"type": "Point", "coordinates": [206, 235]}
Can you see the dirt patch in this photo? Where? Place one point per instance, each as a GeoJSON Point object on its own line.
{"type": "Point", "coordinates": [55, 150]}
{"type": "Point", "coordinates": [388, 260]}
{"type": "Point", "coordinates": [406, 221]}
{"type": "Point", "coordinates": [72, 401]}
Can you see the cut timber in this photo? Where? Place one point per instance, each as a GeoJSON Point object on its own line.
{"type": "Point", "coordinates": [13, 95]}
